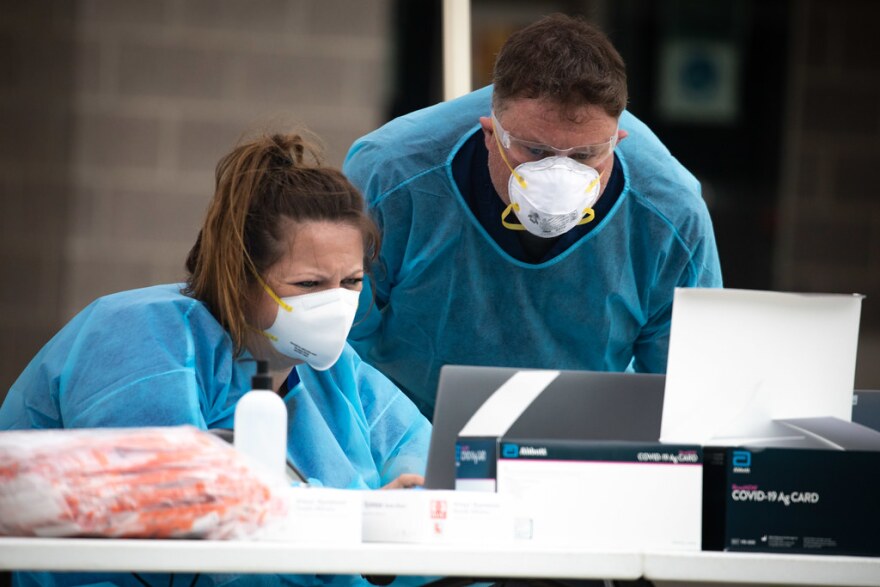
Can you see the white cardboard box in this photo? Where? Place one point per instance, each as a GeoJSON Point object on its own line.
{"type": "Point", "coordinates": [320, 515]}
{"type": "Point", "coordinates": [638, 506]}
{"type": "Point", "coordinates": [429, 516]}
{"type": "Point", "coordinates": [589, 483]}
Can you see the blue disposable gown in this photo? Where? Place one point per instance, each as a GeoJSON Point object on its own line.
{"type": "Point", "coordinates": [154, 357]}
{"type": "Point", "coordinates": [446, 293]}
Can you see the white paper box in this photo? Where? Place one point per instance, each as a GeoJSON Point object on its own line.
{"type": "Point", "coordinates": [320, 515]}
{"type": "Point", "coordinates": [428, 516]}
{"type": "Point", "coordinates": [605, 505]}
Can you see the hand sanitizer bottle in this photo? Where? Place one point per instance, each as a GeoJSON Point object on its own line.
{"type": "Point", "coordinates": [261, 424]}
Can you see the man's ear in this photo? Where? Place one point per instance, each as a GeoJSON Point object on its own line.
{"type": "Point", "coordinates": [486, 123]}
{"type": "Point", "coordinates": [488, 130]}
{"type": "Point", "coordinates": [621, 134]}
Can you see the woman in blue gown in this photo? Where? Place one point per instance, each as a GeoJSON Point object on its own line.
{"type": "Point", "coordinates": [275, 273]}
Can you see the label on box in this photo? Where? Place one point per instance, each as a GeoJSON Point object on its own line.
{"type": "Point", "coordinates": [791, 500]}
{"type": "Point", "coordinates": [424, 516]}
{"type": "Point", "coordinates": [320, 515]}
{"type": "Point", "coordinates": [476, 464]}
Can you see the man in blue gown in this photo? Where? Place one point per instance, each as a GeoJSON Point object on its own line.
{"type": "Point", "coordinates": [533, 223]}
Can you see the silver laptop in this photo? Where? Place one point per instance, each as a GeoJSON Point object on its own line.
{"type": "Point", "coordinates": [587, 405]}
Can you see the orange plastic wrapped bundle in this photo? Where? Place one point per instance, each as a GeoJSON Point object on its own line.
{"type": "Point", "coordinates": [176, 482]}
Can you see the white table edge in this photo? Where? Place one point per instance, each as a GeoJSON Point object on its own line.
{"type": "Point", "coordinates": [490, 561]}
{"type": "Point", "coordinates": [761, 568]}
{"type": "Point", "coordinates": [85, 554]}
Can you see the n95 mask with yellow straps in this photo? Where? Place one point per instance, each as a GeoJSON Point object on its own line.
{"type": "Point", "coordinates": [551, 196]}
{"type": "Point", "coordinates": [313, 327]}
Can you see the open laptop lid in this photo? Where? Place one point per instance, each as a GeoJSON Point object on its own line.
{"type": "Point", "coordinates": [575, 404]}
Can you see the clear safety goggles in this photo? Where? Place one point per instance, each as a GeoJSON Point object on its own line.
{"type": "Point", "coordinates": [524, 151]}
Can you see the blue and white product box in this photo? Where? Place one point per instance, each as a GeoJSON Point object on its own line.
{"type": "Point", "coordinates": [607, 495]}
{"type": "Point", "coordinates": [816, 494]}
{"type": "Point", "coordinates": [431, 517]}
{"type": "Point", "coordinates": [606, 483]}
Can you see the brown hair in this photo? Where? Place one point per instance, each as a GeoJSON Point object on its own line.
{"type": "Point", "coordinates": [565, 60]}
{"type": "Point", "coordinates": [259, 184]}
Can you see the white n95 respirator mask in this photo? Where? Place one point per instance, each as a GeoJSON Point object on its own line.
{"type": "Point", "coordinates": [551, 196]}
{"type": "Point", "coordinates": [313, 327]}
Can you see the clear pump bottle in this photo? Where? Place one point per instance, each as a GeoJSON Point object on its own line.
{"type": "Point", "coordinates": [261, 424]}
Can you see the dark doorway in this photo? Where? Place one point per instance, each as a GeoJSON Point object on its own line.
{"type": "Point", "coordinates": [678, 53]}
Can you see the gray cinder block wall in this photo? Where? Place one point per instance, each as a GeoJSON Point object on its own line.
{"type": "Point", "coordinates": [114, 113]}
{"type": "Point", "coordinates": [164, 89]}
{"type": "Point", "coordinates": [36, 89]}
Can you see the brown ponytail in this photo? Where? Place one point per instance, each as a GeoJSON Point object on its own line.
{"type": "Point", "coordinates": [258, 185]}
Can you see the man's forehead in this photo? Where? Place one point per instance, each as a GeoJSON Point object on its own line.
{"type": "Point", "coordinates": [543, 120]}
{"type": "Point", "coordinates": [549, 110]}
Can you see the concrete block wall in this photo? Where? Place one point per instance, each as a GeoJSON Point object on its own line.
{"type": "Point", "coordinates": [115, 113]}
{"type": "Point", "coordinates": [36, 83]}
{"type": "Point", "coordinates": [165, 88]}
{"type": "Point", "coordinates": [830, 213]}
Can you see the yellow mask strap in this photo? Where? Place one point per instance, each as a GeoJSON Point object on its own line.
{"type": "Point", "coordinates": [271, 337]}
{"type": "Point", "coordinates": [519, 179]}
{"type": "Point", "coordinates": [506, 213]}
{"type": "Point", "coordinates": [590, 216]}
{"type": "Point", "coordinates": [273, 295]}
{"type": "Point", "coordinates": [589, 213]}
{"type": "Point", "coordinates": [594, 182]}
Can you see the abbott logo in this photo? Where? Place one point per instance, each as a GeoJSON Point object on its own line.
{"type": "Point", "coordinates": [509, 451]}
{"type": "Point", "coordinates": [742, 461]}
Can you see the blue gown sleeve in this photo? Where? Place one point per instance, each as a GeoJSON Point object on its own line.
{"type": "Point", "coordinates": [651, 349]}
{"type": "Point", "coordinates": [132, 365]}
{"type": "Point", "coordinates": [360, 168]}
{"type": "Point", "coordinates": [399, 433]}
{"type": "Point", "coordinates": [141, 358]}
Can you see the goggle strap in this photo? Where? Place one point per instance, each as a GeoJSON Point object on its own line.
{"type": "Point", "coordinates": [506, 213]}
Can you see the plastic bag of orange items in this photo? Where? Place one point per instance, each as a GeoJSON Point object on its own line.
{"type": "Point", "coordinates": [175, 482]}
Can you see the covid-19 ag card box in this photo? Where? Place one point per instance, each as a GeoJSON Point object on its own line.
{"type": "Point", "coordinates": [816, 493]}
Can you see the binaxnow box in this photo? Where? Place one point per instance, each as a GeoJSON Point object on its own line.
{"type": "Point", "coordinates": [437, 516]}
{"type": "Point", "coordinates": [578, 453]}
{"type": "Point", "coordinates": [593, 494]}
